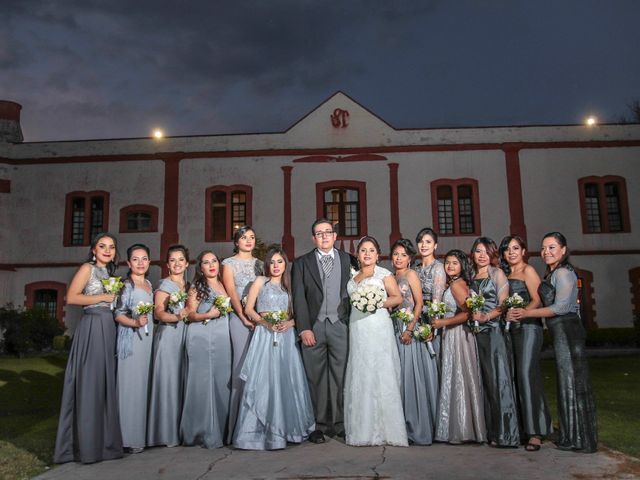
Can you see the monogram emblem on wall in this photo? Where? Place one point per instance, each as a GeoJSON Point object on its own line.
{"type": "Point", "coordinates": [340, 118]}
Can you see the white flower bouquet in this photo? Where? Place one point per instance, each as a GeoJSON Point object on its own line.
{"type": "Point", "coordinates": [223, 304]}
{"type": "Point", "coordinates": [475, 303]}
{"type": "Point", "coordinates": [368, 298]}
{"type": "Point", "coordinates": [143, 308]}
{"type": "Point", "coordinates": [177, 302]}
{"type": "Point", "coordinates": [274, 318]}
{"type": "Point", "coordinates": [514, 301]}
{"type": "Point", "coordinates": [112, 285]}
{"type": "Point", "coordinates": [405, 315]}
{"type": "Point", "coordinates": [422, 333]}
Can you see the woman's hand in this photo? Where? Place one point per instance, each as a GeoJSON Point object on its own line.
{"type": "Point", "coordinates": [213, 312]}
{"type": "Point", "coordinates": [406, 337]}
{"type": "Point", "coordinates": [283, 326]}
{"type": "Point", "coordinates": [437, 323]}
{"type": "Point", "coordinates": [510, 316]}
{"type": "Point", "coordinates": [143, 320]}
{"type": "Point", "coordinates": [247, 323]}
{"type": "Point", "coordinates": [516, 314]}
{"type": "Point", "coordinates": [107, 297]}
{"type": "Point", "coordinates": [481, 317]}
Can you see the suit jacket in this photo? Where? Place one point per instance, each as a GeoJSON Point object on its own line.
{"type": "Point", "coordinates": [306, 286]}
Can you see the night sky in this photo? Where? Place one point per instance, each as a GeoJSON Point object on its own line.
{"type": "Point", "coordinates": [118, 68]}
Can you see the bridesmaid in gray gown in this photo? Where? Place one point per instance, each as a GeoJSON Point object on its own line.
{"type": "Point", "coordinates": [419, 370]}
{"type": "Point", "coordinates": [276, 406]}
{"type": "Point", "coordinates": [89, 395]}
{"type": "Point", "coordinates": [167, 387]}
{"type": "Point", "coordinates": [460, 404]}
{"type": "Point", "coordinates": [237, 274]}
{"type": "Point", "coordinates": [208, 359]}
{"type": "Point", "coordinates": [559, 294]}
{"type": "Point", "coordinates": [494, 347]}
{"type": "Point", "coordinates": [526, 338]}
{"type": "Point", "coordinates": [432, 275]}
{"type": "Point", "coordinates": [135, 339]}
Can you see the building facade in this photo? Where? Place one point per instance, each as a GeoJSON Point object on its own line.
{"type": "Point", "coordinates": [340, 161]}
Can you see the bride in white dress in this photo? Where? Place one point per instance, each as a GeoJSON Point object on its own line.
{"type": "Point", "coordinates": [373, 412]}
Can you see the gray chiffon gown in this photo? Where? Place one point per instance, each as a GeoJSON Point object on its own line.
{"type": "Point", "coordinates": [460, 403]}
{"type": "Point", "coordinates": [433, 280]}
{"type": "Point", "coordinates": [576, 404]}
{"type": "Point", "coordinates": [89, 424]}
{"type": "Point", "coordinates": [494, 353]}
{"type": "Point", "coordinates": [207, 380]}
{"type": "Point", "coordinates": [134, 349]}
{"type": "Point", "coordinates": [167, 380]}
{"type": "Point", "coordinates": [526, 339]}
{"type": "Point", "coordinates": [276, 406]}
{"type": "Point", "coordinates": [244, 273]}
{"type": "Point", "coordinates": [419, 374]}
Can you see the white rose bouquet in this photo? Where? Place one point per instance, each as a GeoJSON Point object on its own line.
{"type": "Point", "coordinates": [514, 301]}
{"type": "Point", "coordinates": [143, 308]}
{"type": "Point", "coordinates": [112, 285]}
{"type": "Point", "coordinates": [177, 302]}
{"type": "Point", "coordinates": [475, 303]}
{"type": "Point", "coordinates": [368, 298]}
{"type": "Point", "coordinates": [275, 318]}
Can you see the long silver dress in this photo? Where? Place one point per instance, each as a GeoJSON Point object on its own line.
{"type": "Point", "coordinates": [494, 352]}
{"type": "Point", "coordinates": [134, 349]}
{"type": "Point", "coordinates": [419, 374]}
{"type": "Point", "coordinates": [433, 280]}
{"type": "Point", "coordinates": [207, 380]}
{"type": "Point", "coordinates": [276, 406]}
{"type": "Point", "coordinates": [576, 405]}
{"type": "Point", "coordinates": [89, 425]}
{"type": "Point", "coordinates": [167, 379]}
{"type": "Point", "coordinates": [526, 338]}
{"type": "Point", "coordinates": [244, 273]}
{"type": "Point", "coordinates": [460, 404]}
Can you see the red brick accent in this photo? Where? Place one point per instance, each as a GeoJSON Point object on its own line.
{"type": "Point", "coordinates": [514, 189]}
{"type": "Point", "coordinates": [394, 207]}
{"type": "Point", "coordinates": [68, 216]}
{"type": "Point", "coordinates": [585, 297]}
{"type": "Point", "coordinates": [170, 235]}
{"type": "Point", "coordinates": [288, 242]}
{"type": "Point", "coordinates": [60, 288]}
{"type": "Point", "coordinates": [150, 209]}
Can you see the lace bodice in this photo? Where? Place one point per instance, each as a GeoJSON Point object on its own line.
{"type": "Point", "coordinates": [94, 285]}
{"type": "Point", "coordinates": [376, 279]}
{"type": "Point", "coordinates": [272, 297]}
{"type": "Point", "coordinates": [450, 302]}
{"type": "Point", "coordinates": [407, 294]}
{"type": "Point", "coordinates": [433, 280]}
{"type": "Point", "coordinates": [244, 272]}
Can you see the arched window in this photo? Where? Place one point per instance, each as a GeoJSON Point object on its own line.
{"type": "Point", "coordinates": [227, 208]}
{"type": "Point", "coordinates": [86, 214]}
{"type": "Point", "coordinates": [603, 204]}
{"type": "Point", "coordinates": [48, 296]}
{"type": "Point", "coordinates": [455, 206]}
{"type": "Point", "coordinates": [138, 218]}
{"type": "Point", "coordinates": [344, 203]}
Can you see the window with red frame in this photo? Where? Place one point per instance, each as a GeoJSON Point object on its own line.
{"type": "Point", "coordinates": [344, 203]}
{"type": "Point", "coordinates": [455, 206]}
{"type": "Point", "coordinates": [48, 296]}
{"type": "Point", "coordinates": [227, 209]}
{"type": "Point", "coordinates": [138, 219]}
{"type": "Point", "coordinates": [86, 215]}
{"type": "Point", "coordinates": [603, 204]}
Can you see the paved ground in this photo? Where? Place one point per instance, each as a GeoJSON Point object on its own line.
{"type": "Point", "coordinates": [334, 460]}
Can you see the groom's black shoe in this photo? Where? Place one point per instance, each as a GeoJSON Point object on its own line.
{"type": "Point", "coordinates": [316, 437]}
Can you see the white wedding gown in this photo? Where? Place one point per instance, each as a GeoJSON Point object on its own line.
{"type": "Point", "coordinates": [373, 412]}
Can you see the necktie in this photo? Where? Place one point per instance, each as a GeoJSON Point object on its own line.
{"type": "Point", "coordinates": [327, 264]}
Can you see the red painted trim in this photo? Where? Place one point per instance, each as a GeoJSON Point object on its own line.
{"type": "Point", "coordinates": [68, 215]}
{"type": "Point", "coordinates": [10, 110]}
{"type": "Point", "coordinates": [170, 235]}
{"type": "Point", "coordinates": [575, 253]}
{"type": "Point", "coordinates": [514, 189]}
{"type": "Point", "coordinates": [5, 186]}
{"type": "Point", "coordinates": [150, 209]}
{"type": "Point", "coordinates": [60, 288]}
{"type": "Point", "coordinates": [288, 242]}
{"type": "Point", "coordinates": [454, 184]}
{"type": "Point", "coordinates": [602, 200]}
{"type": "Point", "coordinates": [634, 278]}
{"type": "Point", "coordinates": [227, 189]}
{"type": "Point", "coordinates": [394, 207]}
{"type": "Point", "coordinates": [301, 152]}
{"type": "Point", "coordinates": [586, 299]}
{"type": "Point", "coordinates": [361, 157]}
{"type": "Point", "coordinates": [362, 197]}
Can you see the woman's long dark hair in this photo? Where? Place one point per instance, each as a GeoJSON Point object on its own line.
{"type": "Point", "coordinates": [237, 235]}
{"type": "Point", "coordinates": [427, 231]}
{"type": "Point", "coordinates": [492, 251]}
{"type": "Point", "coordinates": [467, 271]}
{"type": "Point", "coordinates": [504, 245]}
{"type": "Point", "coordinates": [113, 263]}
{"type": "Point", "coordinates": [199, 280]}
{"type": "Point", "coordinates": [408, 248]}
{"type": "Point", "coordinates": [285, 281]}
{"type": "Point", "coordinates": [130, 250]}
{"type": "Point", "coordinates": [564, 261]}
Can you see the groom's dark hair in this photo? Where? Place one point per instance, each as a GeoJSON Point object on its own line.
{"type": "Point", "coordinates": [320, 221]}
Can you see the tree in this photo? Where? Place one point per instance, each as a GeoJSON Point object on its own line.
{"type": "Point", "coordinates": [633, 114]}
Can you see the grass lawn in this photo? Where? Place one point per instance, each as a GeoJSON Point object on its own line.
{"type": "Point", "coordinates": [30, 391]}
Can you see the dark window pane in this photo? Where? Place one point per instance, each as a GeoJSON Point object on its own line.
{"type": "Point", "coordinates": [342, 208]}
{"type": "Point", "coordinates": [139, 221]}
{"type": "Point", "coordinates": [47, 299]}
{"type": "Point", "coordinates": [77, 221]}
{"type": "Point", "coordinates": [219, 216]}
{"type": "Point", "coordinates": [238, 210]}
{"type": "Point", "coordinates": [97, 216]}
{"type": "Point", "coordinates": [445, 209]}
{"type": "Point", "coordinates": [613, 207]}
{"type": "Point", "coordinates": [592, 207]}
{"type": "Point", "coordinates": [465, 209]}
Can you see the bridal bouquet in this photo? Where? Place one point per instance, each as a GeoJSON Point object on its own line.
{"type": "Point", "coordinates": [112, 285]}
{"type": "Point", "coordinates": [367, 298]}
{"type": "Point", "coordinates": [177, 301]}
{"type": "Point", "coordinates": [274, 318]}
{"type": "Point", "coordinates": [475, 303]}
{"type": "Point", "coordinates": [514, 301]}
{"type": "Point", "coordinates": [143, 308]}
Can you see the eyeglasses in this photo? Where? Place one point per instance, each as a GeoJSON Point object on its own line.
{"type": "Point", "coordinates": [326, 233]}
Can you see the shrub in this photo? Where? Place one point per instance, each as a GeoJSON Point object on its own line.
{"type": "Point", "coordinates": [26, 330]}
{"type": "Point", "coordinates": [61, 342]}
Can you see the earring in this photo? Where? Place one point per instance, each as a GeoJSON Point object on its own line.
{"type": "Point", "coordinates": [93, 259]}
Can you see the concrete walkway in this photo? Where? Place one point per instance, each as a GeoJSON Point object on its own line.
{"type": "Point", "coordinates": [334, 460]}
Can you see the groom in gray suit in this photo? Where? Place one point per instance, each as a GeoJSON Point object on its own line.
{"type": "Point", "coordinates": [321, 310]}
